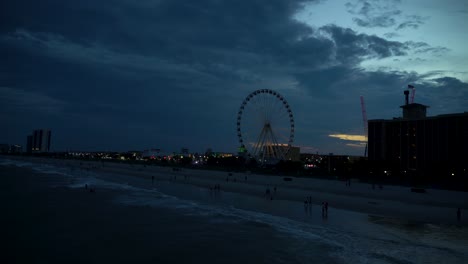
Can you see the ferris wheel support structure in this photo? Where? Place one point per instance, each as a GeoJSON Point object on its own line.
{"type": "Point", "coordinates": [265, 126]}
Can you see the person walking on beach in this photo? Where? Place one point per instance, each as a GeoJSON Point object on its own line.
{"type": "Point", "coordinates": [324, 209]}
{"type": "Point", "coordinates": [459, 214]}
{"type": "Point", "coordinates": [152, 180]}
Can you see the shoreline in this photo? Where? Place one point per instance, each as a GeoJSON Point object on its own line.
{"type": "Point", "coordinates": [435, 206]}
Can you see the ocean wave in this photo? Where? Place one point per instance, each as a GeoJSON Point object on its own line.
{"type": "Point", "coordinates": [390, 246]}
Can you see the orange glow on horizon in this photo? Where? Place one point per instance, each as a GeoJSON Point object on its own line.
{"type": "Point", "coordinates": [359, 138]}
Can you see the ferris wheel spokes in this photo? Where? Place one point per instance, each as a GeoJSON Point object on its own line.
{"type": "Point", "coordinates": [265, 126]}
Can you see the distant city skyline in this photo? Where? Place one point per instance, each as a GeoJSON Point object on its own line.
{"type": "Point", "coordinates": [132, 75]}
{"type": "Point", "coordinates": [39, 141]}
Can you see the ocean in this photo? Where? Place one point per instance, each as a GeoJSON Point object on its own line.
{"type": "Point", "coordinates": [199, 225]}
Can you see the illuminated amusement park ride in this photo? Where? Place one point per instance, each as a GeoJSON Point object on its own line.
{"type": "Point", "coordinates": [265, 126]}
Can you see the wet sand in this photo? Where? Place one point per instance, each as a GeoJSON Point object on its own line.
{"type": "Point", "coordinates": [435, 206]}
{"type": "Point", "coordinates": [52, 218]}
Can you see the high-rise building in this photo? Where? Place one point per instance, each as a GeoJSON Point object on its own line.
{"type": "Point", "coordinates": [415, 143]}
{"type": "Point", "coordinates": [39, 141]}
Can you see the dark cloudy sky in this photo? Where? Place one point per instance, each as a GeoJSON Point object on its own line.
{"type": "Point", "coordinates": [125, 74]}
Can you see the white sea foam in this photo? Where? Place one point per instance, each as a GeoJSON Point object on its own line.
{"type": "Point", "coordinates": [9, 162]}
{"type": "Point", "coordinates": [348, 247]}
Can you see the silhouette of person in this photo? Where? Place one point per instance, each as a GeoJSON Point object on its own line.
{"type": "Point", "coordinates": [459, 214]}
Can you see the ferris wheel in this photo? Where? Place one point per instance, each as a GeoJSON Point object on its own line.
{"type": "Point", "coordinates": [265, 126]}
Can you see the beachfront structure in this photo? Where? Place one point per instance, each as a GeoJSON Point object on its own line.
{"type": "Point", "coordinates": [15, 149]}
{"type": "Point", "coordinates": [269, 153]}
{"type": "Point", "coordinates": [419, 145]}
{"type": "Point", "coordinates": [293, 153]}
{"type": "Point", "coordinates": [39, 141]}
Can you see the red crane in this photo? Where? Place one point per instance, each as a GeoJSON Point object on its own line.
{"type": "Point", "coordinates": [364, 119]}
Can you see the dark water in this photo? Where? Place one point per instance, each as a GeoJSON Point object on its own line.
{"type": "Point", "coordinates": [199, 225]}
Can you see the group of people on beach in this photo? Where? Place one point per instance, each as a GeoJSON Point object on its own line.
{"type": "Point", "coordinates": [308, 206]}
{"type": "Point", "coordinates": [307, 202]}
{"type": "Point", "coordinates": [215, 187]}
{"type": "Point", "coordinates": [215, 190]}
{"type": "Point", "coordinates": [91, 190]}
{"type": "Point", "coordinates": [348, 182]}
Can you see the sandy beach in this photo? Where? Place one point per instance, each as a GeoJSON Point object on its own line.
{"type": "Point", "coordinates": [50, 216]}
{"type": "Point", "coordinates": [435, 206]}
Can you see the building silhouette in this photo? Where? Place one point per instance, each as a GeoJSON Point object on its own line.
{"type": "Point", "coordinates": [415, 144]}
{"type": "Point", "coordinates": [39, 141]}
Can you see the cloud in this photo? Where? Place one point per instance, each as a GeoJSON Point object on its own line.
{"type": "Point", "coordinates": [354, 145]}
{"type": "Point", "coordinates": [374, 13]}
{"type": "Point", "coordinates": [13, 100]}
{"type": "Point", "coordinates": [391, 35]}
{"type": "Point", "coordinates": [383, 14]}
{"type": "Point", "coordinates": [423, 47]}
{"type": "Point", "coordinates": [412, 22]}
{"type": "Point", "coordinates": [93, 54]}
{"type": "Point", "coordinates": [384, 20]}
{"type": "Point", "coordinates": [351, 47]}
{"type": "Point", "coordinates": [451, 82]}
{"type": "Point", "coordinates": [360, 138]}
{"type": "Point", "coordinates": [163, 68]}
